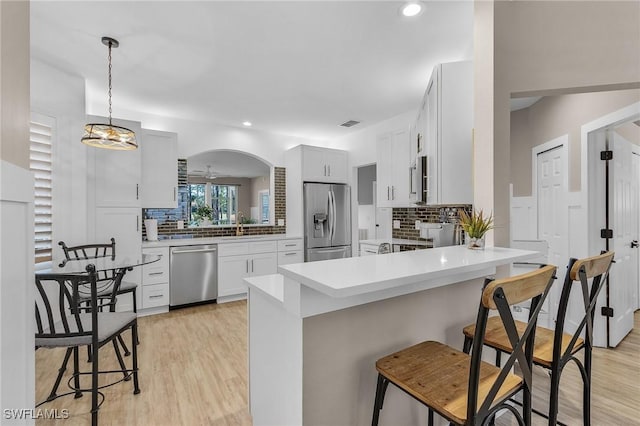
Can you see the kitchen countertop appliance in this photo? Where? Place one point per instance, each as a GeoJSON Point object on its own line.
{"type": "Point", "coordinates": [327, 221]}
{"type": "Point", "coordinates": [194, 274]}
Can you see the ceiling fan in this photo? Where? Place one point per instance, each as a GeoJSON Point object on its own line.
{"type": "Point", "coordinates": [208, 174]}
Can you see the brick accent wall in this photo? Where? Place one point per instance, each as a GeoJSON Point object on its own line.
{"type": "Point", "coordinates": [167, 218]}
{"type": "Point", "coordinates": [408, 217]}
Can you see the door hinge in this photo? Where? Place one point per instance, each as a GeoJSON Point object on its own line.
{"type": "Point", "coordinates": [606, 155]}
{"type": "Point", "coordinates": [606, 233]}
{"type": "Point", "coordinates": [607, 311]}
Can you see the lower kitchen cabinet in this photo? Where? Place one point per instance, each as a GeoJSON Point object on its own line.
{"type": "Point", "coordinates": [155, 279]}
{"type": "Point", "coordinates": [233, 269]}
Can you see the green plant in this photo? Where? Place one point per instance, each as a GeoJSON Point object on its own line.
{"type": "Point", "coordinates": [475, 224]}
{"type": "Point", "coordinates": [203, 212]}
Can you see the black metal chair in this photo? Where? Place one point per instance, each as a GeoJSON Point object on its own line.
{"type": "Point", "coordinates": [107, 288]}
{"type": "Point", "coordinates": [62, 321]}
{"type": "Point", "coordinates": [554, 349]}
{"type": "Point", "coordinates": [460, 387]}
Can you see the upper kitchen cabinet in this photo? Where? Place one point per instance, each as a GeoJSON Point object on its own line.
{"type": "Point", "coordinates": [393, 171]}
{"type": "Point", "coordinates": [445, 124]}
{"type": "Point", "coordinates": [116, 174]}
{"type": "Point", "coordinates": [324, 165]}
{"type": "Point", "coordinates": [159, 169]}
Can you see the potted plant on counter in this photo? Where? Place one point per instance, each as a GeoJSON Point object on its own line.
{"type": "Point", "coordinates": [203, 214]}
{"type": "Point", "coordinates": [475, 225]}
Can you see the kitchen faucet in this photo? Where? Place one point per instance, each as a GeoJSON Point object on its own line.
{"type": "Point", "coordinates": [239, 227]}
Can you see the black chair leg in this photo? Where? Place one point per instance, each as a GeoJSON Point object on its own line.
{"type": "Point", "coordinates": [76, 371]}
{"type": "Point", "coordinates": [134, 338]}
{"type": "Point", "coordinates": [53, 395]}
{"type": "Point", "coordinates": [94, 386]}
{"type": "Point", "coordinates": [498, 358]}
{"type": "Point", "coordinates": [123, 367]}
{"type": "Point", "coordinates": [124, 346]}
{"type": "Point", "coordinates": [381, 389]}
{"type": "Point", "coordinates": [586, 396]}
{"type": "Point", "coordinates": [466, 348]}
{"type": "Point", "coordinates": [430, 421]}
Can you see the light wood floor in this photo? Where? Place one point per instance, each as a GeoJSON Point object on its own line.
{"type": "Point", "coordinates": [193, 371]}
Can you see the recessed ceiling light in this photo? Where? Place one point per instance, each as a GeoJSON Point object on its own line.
{"type": "Point", "coordinates": [246, 123]}
{"type": "Point", "coordinates": [410, 9]}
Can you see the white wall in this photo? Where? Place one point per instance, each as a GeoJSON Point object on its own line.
{"type": "Point", "coordinates": [533, 47]}
{"type": "Point", "coordinates": [60, 95]}
{"type": "Point", "coordinates": [17, 320]}
{"type": "Point", "coordinates": [195, 137]}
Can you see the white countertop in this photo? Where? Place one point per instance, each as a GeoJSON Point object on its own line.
{"type": "Point", "coordinates": [362, 275]}
{"type": "Point", "coordinates": [396, 241]}
{"type": "Point", "coordinates": [217, 240]}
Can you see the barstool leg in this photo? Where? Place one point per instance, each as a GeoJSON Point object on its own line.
{"type": "Point", "coordinates": [381, 389]}
{"type": "Point", "coordinates": [466, 347]}
{"type": "Point", "coordinates": [586, 397]}
{"type": "Point", "coordinates": [554, 393]}
{"type": "Point", "coordinates": [76, 371]}
{"type": "Point", "coordinates": [134, 337]}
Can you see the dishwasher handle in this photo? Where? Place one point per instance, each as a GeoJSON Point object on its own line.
{"type": "Point", "coordinates": [207, 250]}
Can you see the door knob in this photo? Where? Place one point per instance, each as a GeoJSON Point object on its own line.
{"type": "Point", "coordinates": [634, 244]}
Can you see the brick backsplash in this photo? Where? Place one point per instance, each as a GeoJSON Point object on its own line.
{"type": "Point", "coordinates": [167, 218]}
{"type": "Point", "coordinates": [408, 216]}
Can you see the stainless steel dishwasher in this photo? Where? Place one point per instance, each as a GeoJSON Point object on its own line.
{"type": "Point", "coordinates": [194, 274]}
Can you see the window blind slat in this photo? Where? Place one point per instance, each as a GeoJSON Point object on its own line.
{"type": "Point", "coordinates": [40, 155]}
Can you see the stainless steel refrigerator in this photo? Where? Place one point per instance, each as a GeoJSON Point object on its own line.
{"type": "Point", "coordinates": [327, 221]}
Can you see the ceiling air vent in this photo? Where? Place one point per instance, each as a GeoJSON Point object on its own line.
{"type": "Point", "coordinates": [350, 123]}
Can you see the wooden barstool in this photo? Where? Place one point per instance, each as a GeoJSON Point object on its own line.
{"type": "Point", "coordinates": [553, 349]}
{"type": "Point", "coordinates": [460, 387]}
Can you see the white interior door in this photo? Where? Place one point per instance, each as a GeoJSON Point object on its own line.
{"type": "Point", "coordinates": [623, 213]}
{"type": "Point", "coordinates": [635, 159]}
{"type": "Point", "coordinates": [552, 212]}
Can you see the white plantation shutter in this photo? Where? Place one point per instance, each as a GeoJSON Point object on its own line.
{"type": "Point", "coordinates": [41, 135]}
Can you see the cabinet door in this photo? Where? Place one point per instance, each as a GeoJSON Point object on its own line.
{"type": "Point", "coordinates": [231, 272]}
{"type": "Point", "coordinates": [264, 264]}
{"type": "Point", "coordinates": [314, 166]}
{"type": "Point", "coordinates": [383, 170]}
{"type": "Point", "coordinates": [124, 225]}
{"type": "Point", "coordinates": [116, 173]}
{"type": "Point", "coordinates": [400, 168]}
{"type": "Point", "coordinates": [337, 166]}
{"type": "Point", "coordinates": [431, 138]}
{"type": "Point", "coordinates": [159, 169]}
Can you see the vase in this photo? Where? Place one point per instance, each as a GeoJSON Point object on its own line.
{"type": "Point", "coordinates": [476, 243]}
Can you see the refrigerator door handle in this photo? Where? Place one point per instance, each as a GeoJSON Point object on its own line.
{"type": "Point", "coordinates": [333, 214]}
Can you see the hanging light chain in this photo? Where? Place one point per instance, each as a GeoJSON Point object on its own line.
{"type": "Point", "coordinates": [110, 44]}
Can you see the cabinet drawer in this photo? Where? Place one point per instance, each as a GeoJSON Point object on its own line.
{"type": "Point", "coordinates": [286, 257]}
{"type": "Point", "coordinates": [233, 249]}
{"type": "Point", "coordinates": [290, 245]}
{"type": "Point", "coordinates": [155, 295]}
{"type": "Point", "coordinates": [156, 272]}
{"type": "Point", "coordinates": [263, 247]}
{"type": "Point", "coordinates": [368, 249]}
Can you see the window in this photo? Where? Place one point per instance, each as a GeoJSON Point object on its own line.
{"type": "Point", "coordinates": [224, 202]}
{"type": "Point", "coordinates": [264, 206]}
{"type": "Point", "coordinates": [41, 136]}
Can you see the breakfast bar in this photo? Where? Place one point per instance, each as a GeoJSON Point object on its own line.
{"type": "Point", "coordinates": [316, 329]}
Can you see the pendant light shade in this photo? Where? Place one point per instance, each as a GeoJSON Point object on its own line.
{"type": "Point", "coordinates": [107, 135]}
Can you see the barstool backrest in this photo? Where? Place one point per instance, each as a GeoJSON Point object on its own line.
{"type": "Point", "coordinates": [500, 295]}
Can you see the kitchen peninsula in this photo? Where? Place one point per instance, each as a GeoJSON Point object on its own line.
{"type": "Point", "coordinates": [316, 329]}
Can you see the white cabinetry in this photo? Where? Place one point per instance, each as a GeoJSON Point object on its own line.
{"type": "Point", "coordinates": [290, 251]}
{"type": "Point", "coordinates": [159, 169]}
{"type": "Point", "coordinates": [393, 169]}
{"type": "Point", "coordinates": [237, 261]}
{"type": "Point", "coordinates": [124, 225]}
{"type": "Point", "coordinates": [155, 279]}
{"type": "Point", "coordinates": [324, 165]}
{"type": "Point", "coordinates": [116, 174]}
{"type": "Point", "coordinates": [445, 123]}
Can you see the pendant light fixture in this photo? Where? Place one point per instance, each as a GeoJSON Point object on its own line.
{"type": "Point", "coordinates": [107, 135]}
